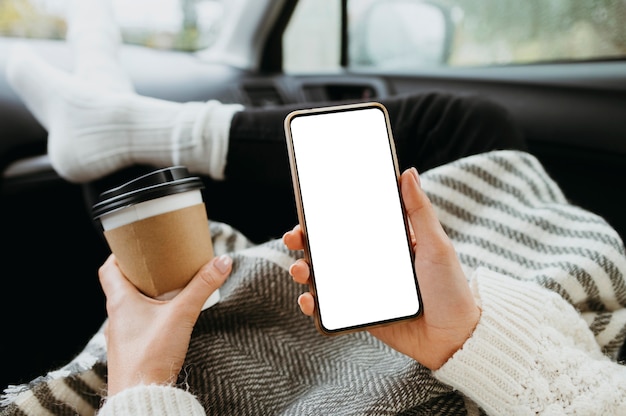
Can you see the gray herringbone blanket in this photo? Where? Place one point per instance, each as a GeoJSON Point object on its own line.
{"type": "Point", "coordinates": [255, 354]}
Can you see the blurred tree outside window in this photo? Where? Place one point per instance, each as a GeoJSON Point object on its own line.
{"type": "Point", "coordinates": [472, 33]}
{"type": "Point", "coordinates": [518, 32]}
{"type": "Point", "coordinates": [28, 19]}
{"type": "Point", "coordinates": [187, 25]}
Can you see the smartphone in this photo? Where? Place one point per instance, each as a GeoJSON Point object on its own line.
{"type": "Point", "coordinates": [357, 241]}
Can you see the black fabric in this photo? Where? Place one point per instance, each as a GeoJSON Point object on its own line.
{"type": "Point", "coordinates": [429, 129]}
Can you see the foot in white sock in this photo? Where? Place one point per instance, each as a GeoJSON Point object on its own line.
{"type": "Point", "coordinates": [93, 132]}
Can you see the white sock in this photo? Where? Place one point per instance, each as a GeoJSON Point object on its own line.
{"type": "Point", "coordinates": [93, 132]}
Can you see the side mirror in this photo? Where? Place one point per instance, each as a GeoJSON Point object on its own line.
{"type": "Point", "coordinates": [401, 34]}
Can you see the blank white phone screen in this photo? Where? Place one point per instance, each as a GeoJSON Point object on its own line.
{"type": "Point", "coordinates": [358, 246]}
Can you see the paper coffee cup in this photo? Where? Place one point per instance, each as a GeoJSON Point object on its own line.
{"type": "Point", "coordinates": [157, 227]}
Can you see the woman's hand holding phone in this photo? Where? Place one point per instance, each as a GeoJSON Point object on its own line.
{"type": "Point", "coordinates": [450, 310]}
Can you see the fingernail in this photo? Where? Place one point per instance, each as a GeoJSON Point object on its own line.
{"type": "Point", "coordinates": [223, 263]}
{"type": "Point", "coordinates": [416, 175]}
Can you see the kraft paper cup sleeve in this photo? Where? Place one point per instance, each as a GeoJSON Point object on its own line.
{"type": "Point", "coordinates": [162, 253]}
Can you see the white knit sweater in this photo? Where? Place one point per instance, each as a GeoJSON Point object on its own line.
{"type": "Point", "coordinates": [532, 353]}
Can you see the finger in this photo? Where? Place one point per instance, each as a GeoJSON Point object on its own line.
{"type": "Point", "coordinates": [306, 303]}
{"type": "Point", "coordinates": [112, 279]}
{"type": "Point", "coordinates": [294, 239]}
{"type": "Point", "coordinates": [300, 272]}
{"type": "Point", "coordinates": [207, 280]}
{"type": "Point", "coordinates": [420, 211]}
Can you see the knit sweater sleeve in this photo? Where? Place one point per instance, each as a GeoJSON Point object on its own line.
{"type": "Point", "coordinates": [153, 400]}
{"type": "Point", "coordinates": [532, 353]}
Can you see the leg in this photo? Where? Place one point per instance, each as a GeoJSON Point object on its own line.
{"type": "Point", "coordinates": [93, 131]}
{"type": "Point", "coordinates": [96, 123]}
{"type": "Point", "coordinates": [429, 130]}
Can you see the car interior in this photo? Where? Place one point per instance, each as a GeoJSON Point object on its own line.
{"type": "Point", "coordinates": [572, 113]}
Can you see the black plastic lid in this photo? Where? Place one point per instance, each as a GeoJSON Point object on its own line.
{"type": "Point", "coordinates": [162, 182]}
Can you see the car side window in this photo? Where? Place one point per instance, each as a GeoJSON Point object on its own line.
{"type": "Point", "coordinates": [413, 34]}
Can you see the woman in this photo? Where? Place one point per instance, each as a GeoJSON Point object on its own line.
{"type": "Point", "coordinates": [511, 341]}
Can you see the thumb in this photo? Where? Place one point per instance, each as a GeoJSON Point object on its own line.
{"type": "Point", "coordinates": [207, 280]}
{"type": "Point", "coordinates": [422, 215]}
